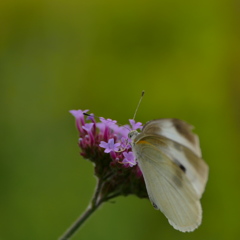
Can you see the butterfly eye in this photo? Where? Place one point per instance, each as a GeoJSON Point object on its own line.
{"type": "Point", "coordinates": [130, 134]}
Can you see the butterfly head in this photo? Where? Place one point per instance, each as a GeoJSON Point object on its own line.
{"type": "Point", "coordinates": [133, 134]}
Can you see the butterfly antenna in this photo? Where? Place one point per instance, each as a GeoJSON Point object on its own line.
{"type": "Point", "coordinates": [138, 104]}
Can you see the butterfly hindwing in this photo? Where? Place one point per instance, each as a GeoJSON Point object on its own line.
{"type": "Point", "coordinates": [178, 147]}
{"type": "Point", "coordinates": [195, 169]}
{"type": "Point", "coordinates": [168, 187]}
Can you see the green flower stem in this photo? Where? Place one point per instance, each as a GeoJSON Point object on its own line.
{"type": "Point", "coordinates": [96, 202]}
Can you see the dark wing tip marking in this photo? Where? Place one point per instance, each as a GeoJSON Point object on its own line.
{"type": "Point", "coordinates": [184, 129]}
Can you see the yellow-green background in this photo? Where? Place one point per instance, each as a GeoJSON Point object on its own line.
{"type": "Point", "coordinates": [99, 55]}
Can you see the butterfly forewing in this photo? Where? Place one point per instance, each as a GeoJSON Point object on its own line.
{"type": "Point", "coordinates": [176, 130]}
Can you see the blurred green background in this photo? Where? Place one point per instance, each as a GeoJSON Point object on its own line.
{"type": "Point", "coordinates": [99, 55]}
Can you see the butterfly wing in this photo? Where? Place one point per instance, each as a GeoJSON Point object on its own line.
{"type": "Point", "coordinates": [168, 187]}
{"type": "Point", "coordinates": [176, 130]}
{"type": "Point", "coordinates": [182, 147]}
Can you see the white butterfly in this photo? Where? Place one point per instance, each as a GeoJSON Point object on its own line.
{"type": "Point", "coordinates": [169, 157]}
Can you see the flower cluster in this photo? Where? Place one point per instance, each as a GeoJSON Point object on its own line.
{"type": "Point", "coordinates": [107, 145]}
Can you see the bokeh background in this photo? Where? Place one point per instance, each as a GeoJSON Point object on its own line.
{"type": "Point", "coordinates": [99, 55]}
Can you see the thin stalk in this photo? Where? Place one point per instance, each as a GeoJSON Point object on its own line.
{"type": "Point", "coordinates": [91, 209]}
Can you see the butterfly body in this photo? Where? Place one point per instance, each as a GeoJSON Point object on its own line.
{"type": "Point", "coordinates": [169, 157]}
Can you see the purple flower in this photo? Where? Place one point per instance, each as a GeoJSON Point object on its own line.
{"type": "Point", "coordinates": [125, 143]}
{"type": "Point", "coordinates": [100, 126]}
{"type": "Point", "coordinates": [91, 117]}
{"type": "Point", "coordinates": [106, 126]}
{"type": "Point", "coordinates": [121, 130]}
{"type": "Point", "coordinates": [107, 145]}
{"type": "Point", "coordinates": [88, 126]}
{"type": "Point", "coordinates": [107, 121]}
{"type": "Point", "coordinates": [110, 146]}
{"type": "Point", "coordinates": [79, 117]}
{"type": "Point", "coordinates": [135, 125]}
{"type": "Point", "coordinates": [78, 113]}
{"type": "Point", "coordinates": [129, 159]}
